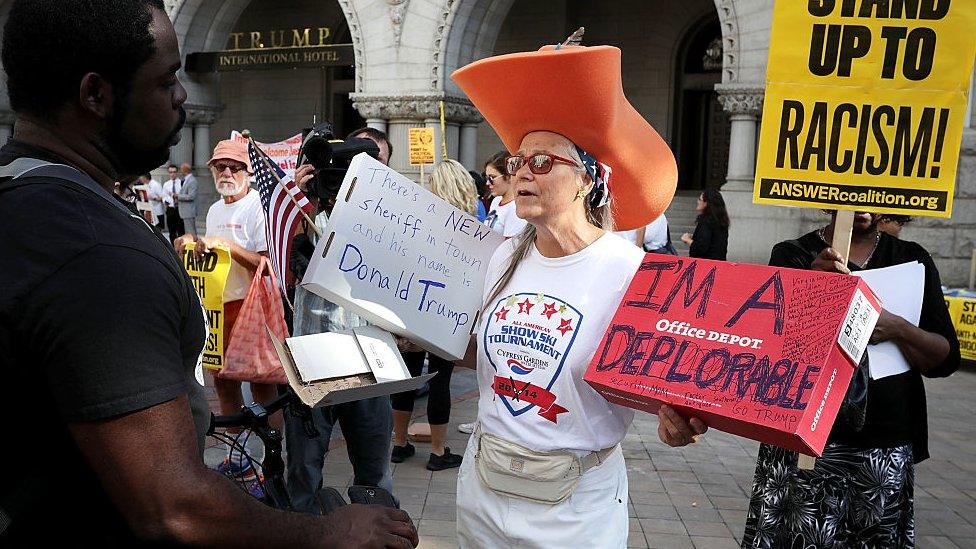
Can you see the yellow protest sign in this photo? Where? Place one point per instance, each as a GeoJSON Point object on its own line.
{"type": "Point", "coordinates": [865, 104]}
{"type": "Point", "coordinates": [962, 310]}
{"type": "Point", "coordinates": [421, 145]}
{"type": "Point", "coordinates": [208, 272]}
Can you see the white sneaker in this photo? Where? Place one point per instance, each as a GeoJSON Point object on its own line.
{"type": "Point", "coordinates": [466, 428]}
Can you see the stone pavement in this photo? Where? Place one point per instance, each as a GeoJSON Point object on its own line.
{"type": "Point", "coordinates": [696, 497]}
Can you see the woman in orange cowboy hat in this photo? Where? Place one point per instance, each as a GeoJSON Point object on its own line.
{"type": "Point", "coordinates": [544, 467]}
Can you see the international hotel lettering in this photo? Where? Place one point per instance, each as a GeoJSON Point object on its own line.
{"type": "Point", "coordinates": [277, 48]}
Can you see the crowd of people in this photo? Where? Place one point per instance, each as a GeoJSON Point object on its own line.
{"type": "Point", "coordinates": [99, 317]}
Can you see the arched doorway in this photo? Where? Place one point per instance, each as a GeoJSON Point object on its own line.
{"type": "Point", "coordinates": [701, 127]}
{"type": "Point", "coordinates": [273, 76]}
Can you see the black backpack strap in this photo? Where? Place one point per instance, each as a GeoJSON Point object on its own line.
{"type": "Point", "coordinates": [25, 167]}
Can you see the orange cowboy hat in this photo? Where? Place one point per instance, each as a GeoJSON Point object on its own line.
{"type": "Point", "coordinates": [577, 92]}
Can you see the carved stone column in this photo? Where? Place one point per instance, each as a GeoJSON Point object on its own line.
{"type": "Point", "coordinates": [399, 113]}
{"type": "Point", "coordinates": [744, 104]}
{"type": "Point", "coordinates": [755, 227]}
{"type": "Point", "coordinates": [201, 118]}
{"type": "Point", "coordinates": [6, 126]}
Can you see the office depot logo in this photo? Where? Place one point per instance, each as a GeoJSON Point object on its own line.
{"type": "Point", "coordinates": [823, 401]}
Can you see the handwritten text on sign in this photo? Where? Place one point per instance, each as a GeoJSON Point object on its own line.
{"type": "Point", "coordinates": [208, 272]}
{"type": "Point", "coordinates": [865, 104]}
{"type": "Point", "coordinates": [403, 258]}
{"type": "Point", "coordinates": [749, 348]}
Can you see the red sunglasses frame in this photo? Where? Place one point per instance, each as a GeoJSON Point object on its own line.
{"type": "Point", "coordinates": [525, 161]}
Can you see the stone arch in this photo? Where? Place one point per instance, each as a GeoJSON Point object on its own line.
{"type": "Point", "coordinates": [204, 25]}
{"type": "Point", "coordinates": [730, 39]}
{"type": "Point", "coordinates": [466, 31]}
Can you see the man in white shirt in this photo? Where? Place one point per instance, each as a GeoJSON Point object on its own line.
{"type": "Point", "coordinates": [156, 196]}
{"type": "Point", "coordinates": [236, 222]}
{"type": "Point", "coordinates": [171, 190]}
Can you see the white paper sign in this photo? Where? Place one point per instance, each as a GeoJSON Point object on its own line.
{"type": "Point", "coordinates": [900, 289]}
{"type": "Point", "coordinates": [403, 259]}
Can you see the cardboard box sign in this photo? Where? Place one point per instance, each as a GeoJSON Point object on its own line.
{"type": "Point", "coordinates": [336, 367]}
{"type": "Point", "coordinates": [403, 259]}
{"type": "Point", "coordinates": [761, 352]}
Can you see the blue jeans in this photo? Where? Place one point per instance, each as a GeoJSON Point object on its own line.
{"type": "Point", "coordinates": [366, 425]}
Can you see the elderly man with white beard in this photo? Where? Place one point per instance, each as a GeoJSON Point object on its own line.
{"type": "Point", "coordinates": [236, 222]}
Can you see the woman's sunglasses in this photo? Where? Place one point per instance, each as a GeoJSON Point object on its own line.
{"type": "Point", "coordinates": [539, 163]}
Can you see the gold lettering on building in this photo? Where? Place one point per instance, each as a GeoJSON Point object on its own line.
{"type": "Point", "coordinates": [300, 38]}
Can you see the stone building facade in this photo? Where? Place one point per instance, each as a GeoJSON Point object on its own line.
{"type": "Point", "coordinates": [694, 68]}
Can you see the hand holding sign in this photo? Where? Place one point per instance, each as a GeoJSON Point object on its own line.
{"type": "Point", "coordinates": [404, 259]}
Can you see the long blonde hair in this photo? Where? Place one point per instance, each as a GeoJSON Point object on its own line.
{"type": "Point", "coordinates": [601, 217]}
{"type": "Point", "coordinates": [453, 183]}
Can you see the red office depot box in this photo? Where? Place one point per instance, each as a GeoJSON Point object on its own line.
{"type": "Point", "coordinates": [761, 352]}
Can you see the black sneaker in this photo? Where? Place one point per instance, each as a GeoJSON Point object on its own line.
{"type": "Point", "coordinates": [446, 461]}
{"type": "Point", "coordinates": [401, 453]}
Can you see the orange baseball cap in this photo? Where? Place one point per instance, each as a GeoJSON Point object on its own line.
{"type": "Point", "coordinates": [577, 92]}
{"type": "Point", "coordinates": [231, 149]}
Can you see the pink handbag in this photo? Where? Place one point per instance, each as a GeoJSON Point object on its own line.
{"type": "Point", "coordinates": [251, 355]}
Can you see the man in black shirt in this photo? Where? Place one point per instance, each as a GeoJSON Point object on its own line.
{"type": "Point", "coordinates": [100, 329]}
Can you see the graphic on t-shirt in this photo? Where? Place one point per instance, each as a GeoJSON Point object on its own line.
{"type": "Point", "coordinates": [526, 338]}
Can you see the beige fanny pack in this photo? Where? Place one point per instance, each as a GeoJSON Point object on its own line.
{"type": "Point", "coordinates": [544, 477]}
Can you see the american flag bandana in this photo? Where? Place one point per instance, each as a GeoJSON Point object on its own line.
{"type": "Point", "coordinates": [283, 203]}
{"type": "Point", "coordinates": [600, 174]}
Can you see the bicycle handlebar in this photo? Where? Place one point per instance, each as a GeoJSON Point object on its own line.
{"type": "Point", "coordinates": [251, 414]}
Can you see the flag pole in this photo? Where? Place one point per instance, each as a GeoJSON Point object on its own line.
{"type": "Point", "coordinates": [267, 162]}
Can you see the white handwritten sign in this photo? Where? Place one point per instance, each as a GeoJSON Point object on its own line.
{"type": "Point", "coordinates": [403, 259]}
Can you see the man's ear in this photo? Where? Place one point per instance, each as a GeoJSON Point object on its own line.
{"type": "Point", "coordinates": [96, 95]}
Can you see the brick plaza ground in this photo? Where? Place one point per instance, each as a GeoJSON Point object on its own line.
{"type": "Point", "coordinates": [696, 497]}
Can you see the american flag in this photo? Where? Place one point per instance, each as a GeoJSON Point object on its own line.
{"type": "Point", "coordinates": [280, 210]}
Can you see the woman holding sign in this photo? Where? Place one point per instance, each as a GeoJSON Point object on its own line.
{"type": "Point", "coordinates": [860, 493]}
{"type": "Point", "coordinates": [544, 467]}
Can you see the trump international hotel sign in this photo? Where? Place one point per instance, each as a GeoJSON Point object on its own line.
{"type": "Point", "coordinates": [274, 49]}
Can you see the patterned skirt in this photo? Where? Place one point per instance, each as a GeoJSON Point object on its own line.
{"type": "Point", "coordinates": [852, 498]}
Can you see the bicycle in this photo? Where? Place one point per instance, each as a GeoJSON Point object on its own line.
{"type": "Point", "coordinates": [270, 473]}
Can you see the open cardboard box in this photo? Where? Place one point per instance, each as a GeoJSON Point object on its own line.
{"type": "Point", "coordinates": [369, 351]}
{"type": "Point", "coordinates": [762, 352]}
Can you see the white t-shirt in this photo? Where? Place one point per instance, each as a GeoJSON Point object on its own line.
{"type": "Point", "coordinates": [243, 223]}
{"type": "Point", "coordinates": [543, 330]}
{"type": "Point", "coordinates": [502, 218]}
{"type": "Point", "coordinates": [171, 186]}
{"type": "Point", "coordinates": [655, 234]}
{"type": "Point", "coordinates": [156, 191]}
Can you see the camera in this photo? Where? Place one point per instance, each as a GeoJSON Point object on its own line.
{"type": "Point", "coordinates": [330, 157]}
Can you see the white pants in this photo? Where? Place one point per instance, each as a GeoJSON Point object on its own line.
{"type": "Point", "coordinates": [595, 515]}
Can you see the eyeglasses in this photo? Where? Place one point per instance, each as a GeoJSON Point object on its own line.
{"type": "Point", "coordinates": [234, 168]}
{"type": "Point", "coordinates": [539, 163]}
{"type": "Point", "coordinates": [491, 178]}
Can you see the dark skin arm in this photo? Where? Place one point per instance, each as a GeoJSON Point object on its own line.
{"type": "Point", "coordinates": [923, 350]}
{"type": "Point", "coordinates": [149, 464]}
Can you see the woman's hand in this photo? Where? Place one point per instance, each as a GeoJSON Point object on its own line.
{"type": "Point", "coordinates": [889, 327]}
{"type": "Point", "coordinates": [830, 261]}
{"type": "Point", "coordinates": [675, 430]}
{"type": "Point", "coordinates": [686, 238]}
